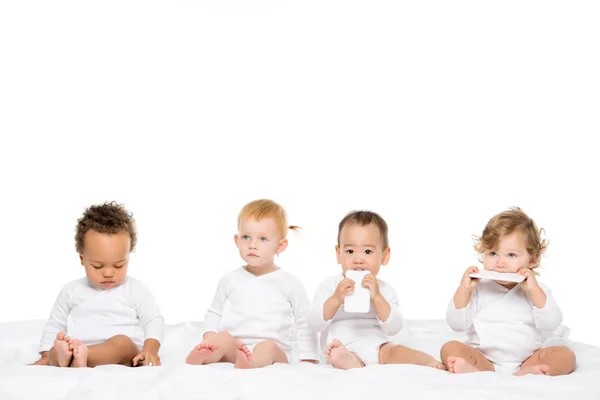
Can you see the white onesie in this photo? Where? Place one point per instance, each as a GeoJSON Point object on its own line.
{"type": "Point", "coordinates": [361, 333]}
{"type": "Point", "coordinates": [95, 315]}
{"type": "Point", "coordinates": [258, 308]}
{"type": "Point", "coordinates": [503, 324]}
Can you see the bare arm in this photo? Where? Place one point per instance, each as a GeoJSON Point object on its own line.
{"type": "Point", "coordinates": [149, 354]}
{"type": "Point", "coordinates": [462, 297]}
{"type": "Point", "coordinates": [532, 288]}
{"type": "Point", "coordinates": [382, 308]}
{"type": "Point", "coordinates": [332, 304]}
{"type": "Point", "coordinates": [151, 345]}
{"type": "Point", "coordinates": [538, 297]}
{"type": "Point", "coordinates": [331, 307]}
{"type": "Point", "coordinates": [380, 304]}
{"type": "Point", "coordinates": [460, 312]}
{"type": "Point", "coordinates": [463, 294]}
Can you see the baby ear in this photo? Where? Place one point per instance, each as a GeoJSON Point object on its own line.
{"type": "Point", "coordinates": [282, 246]}
{"type": "Point", "coordinates": [338, 255]}
{"type": "Point", "coordinates": [386, 256]}
{"type": "Point", "coordinates": [81, 259]}
{"type": "Point", "coordinates": [236, 239]}
{"type": "Point", "coordinates": [533, 262]}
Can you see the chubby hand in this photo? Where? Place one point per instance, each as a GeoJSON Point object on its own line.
{"type": "Point", "coordinates": [530, 283]}
{"type": "Point", "coordinates": [146, 357]}
{"type": "Point", "coordinates": [467, 282]}
{"type": "Point", "coordinates": [343, 289]}
{"type": "Point", "coordinates": [370, 282]}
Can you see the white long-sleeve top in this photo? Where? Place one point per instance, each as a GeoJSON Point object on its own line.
{"type": "Point", "coordinates": [267, 307]}
{"type": "Point", "coordinates": [503, 323]}
{"type": "Point", "coordinates": [349, 327]}
{"type": "Point", "coordinates": [94, 315]}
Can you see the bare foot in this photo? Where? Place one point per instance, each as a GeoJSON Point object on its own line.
{"type": "Point", "coordinates": [458, 365]}
{"type": "Point", "coordinates": [338, 355]}
{"type": "Point", "coordinates": [200, 353]}
{"type": "Point", "coordinates": [436, 364]}
{"type": "Point", "coordinates": [64, 351]}
{"type": "Point", "coordinates": [538, 369]}
{"type": "Point", "coordinates": [80, 354]}
{"type": "Point", "coordinates": [243, 356]}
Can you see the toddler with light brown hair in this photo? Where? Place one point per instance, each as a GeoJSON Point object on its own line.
{"type": "Point", "coordinates": [505, 320]}
{"type": "Point", "coordinates": [256, 306]}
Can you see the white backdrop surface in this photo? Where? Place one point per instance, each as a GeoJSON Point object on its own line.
{"type": "Point", "coordinates": [437, 115]}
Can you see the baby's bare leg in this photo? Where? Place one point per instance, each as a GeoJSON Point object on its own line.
{"type": "Point", "coordinates": [218, 348]}
{"type": "Point", "coordinates": [118, 349]}
{"type": "Point", "coordinates": [267, 353]}
{"type": "Point", "coordinates": [397, 354]}
{"type": "Point", "coordinates": [459, 358]}
{"type": "Point", "coordinates": [555, 360]}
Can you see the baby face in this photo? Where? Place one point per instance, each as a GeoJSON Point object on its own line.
{"type": "Point", "coordinates": [509, 256]}
{"type": "Point", "coordinates": [259, 242]}
{"type": "Point", "coordinates": [361, 248]}
{"type": "Point", "coordinates": [105, 258]}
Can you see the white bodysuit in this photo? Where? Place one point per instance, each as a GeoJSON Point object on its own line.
{"type": "Point", "coordinates": [361, 333]}
{"type": "Point", "coordinates": [503, 324]}
{"type": "Point", "coordinates": [258, 308]}
{"type": "Point", "coordinates": [95, 315]}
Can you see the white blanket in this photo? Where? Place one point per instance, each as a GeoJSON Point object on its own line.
{"type": "Point", "coordinates": [175, 380]}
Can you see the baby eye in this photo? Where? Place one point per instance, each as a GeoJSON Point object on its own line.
{"type": "Point", "coordinates": [492, 253]}
{"type": "Point", "coordinates": [97, 266]}
{"type": "Point", "coordinates": [511, 255]}
{"type": "Point", "coordinates": [119, 266]}
{"type": "Point", "coordinates": [263, 239]}
{"type": "Point", "coordinates": [368, 251]}
{"type": "Point", "coordinates": [349, 251]}
{"type": "Point", "coordinates": [245, 237]}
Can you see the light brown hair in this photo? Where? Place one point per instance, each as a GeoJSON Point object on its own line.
{"type": "Point", "coordinates": [507, 222]}
{"type": "Point", "coordinates": [265, 208]}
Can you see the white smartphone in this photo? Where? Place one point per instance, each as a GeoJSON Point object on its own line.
{"type": "Point", "coordinates": [498, 276]}
{"type": "Point", "coordinates": [360, 300]}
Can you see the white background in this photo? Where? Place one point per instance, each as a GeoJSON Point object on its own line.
{"type": "Point", "coordinates": [437, 115]}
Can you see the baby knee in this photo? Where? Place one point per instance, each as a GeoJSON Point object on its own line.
{"type": "Point", "coordinates": [450, 347]}
{"type": "Point", "coordinates": [121, 338]}
{"type": "Point", "coordinates": [268, 345]}
{"type": "Point", "coordinates": [564, 351]}
{"type": "Point", "coordinates": [221, 337]}
{"type": "Point", "coordinates": [123, 341]}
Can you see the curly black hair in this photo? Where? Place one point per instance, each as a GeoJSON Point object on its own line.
{"type": "Point", "coordinates": [110, 218]}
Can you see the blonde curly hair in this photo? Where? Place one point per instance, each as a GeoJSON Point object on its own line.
{"type": "Point", "coordinates": [507, 222]}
